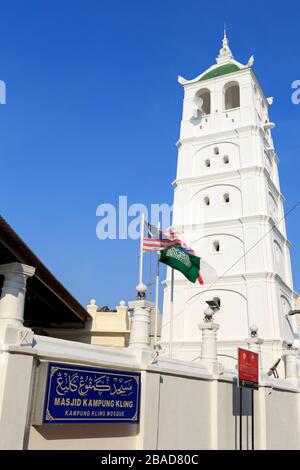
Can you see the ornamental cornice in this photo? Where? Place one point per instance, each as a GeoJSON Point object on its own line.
{"type": "Point", "coordinates": [230, 280]}
{"type": "Point", "coordinates": [279, 234]}
{"type": "Point", "coordinates": [230, 223]}
{"type": "Point", "coordinates": [256, 169]}
{"type": "Point", "coordinates": [288, 290]}
{"type": "Point", "coordinates": [213, 136]}
{"type": "Point", "coordinates": [262, 219]}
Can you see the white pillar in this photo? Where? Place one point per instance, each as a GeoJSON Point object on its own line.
{"type": "Point", "coordinates": [140, 321]}
{"type": "Point", "coordinates": [291, 367]}
{"type": "Point", "coordinates": [209, 341]}
{"type": "Point", "coordinates": [12, 299]}
{"type": "Point", "coordinates": [15, 369]}
{"type": "Point", "coordinates": [260, 415]}
{"type": "Point", "coordinates": [140, 324]}
{"type": "Point", "coordinates": [209, 353]}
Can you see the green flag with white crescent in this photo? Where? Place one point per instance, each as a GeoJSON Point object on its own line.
{"type": "Point", "coordinates": [177, 258]}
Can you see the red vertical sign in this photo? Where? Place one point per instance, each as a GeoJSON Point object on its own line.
{"type": "Point", "coordinates": [248, 368]}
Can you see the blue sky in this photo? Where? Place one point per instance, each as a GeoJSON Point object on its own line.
{"type": "Point", "coordinates": [93, 112]}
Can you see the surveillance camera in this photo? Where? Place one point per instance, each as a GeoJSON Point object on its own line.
{"type": "Point", "coordinates": [287, 345]}
{"type": "Point", "coordinates": [213, 305]}
{"type": "Point", "coordinates": [293, 312]}
{"type": "Point", "coordinates": [273, 369]}
{"type": "Point", "coordinates": [212, 308]}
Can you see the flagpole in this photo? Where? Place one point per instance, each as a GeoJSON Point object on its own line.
{"type": "Point", "coordinates": [156, 292]}
{"type": "Point", "coordinates": [171, 315]}
{"type": "Point", "coordinates": [142, 248]}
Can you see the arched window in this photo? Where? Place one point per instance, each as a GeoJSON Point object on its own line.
{"type": "Point", "coordinates": [279, 260]}
{"type": "Point", "coordinates": [268, 163]}
{"type": "Point", "coordinates": [285, 304]}
{"type": "Point", "coordinates": [216, 151]}
{"type": "Point", "coordinates": [226, 159]}
{"type": "Point", "coordinates": [226, 198]}
{"type": "Point", "coordinates": [216, 246]}
{"type": "Point", "coordinates": [273, 207]}
{"type": "Point", "coordinates": [206, 201]}
{"type": "Point", "coordinates": [232, 95]}
{"type": "Point", "coordinates": [207, 163]}
{"type": "Point", "coordinates": [205, 95]}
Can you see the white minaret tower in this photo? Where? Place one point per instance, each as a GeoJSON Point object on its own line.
{"type": "Point", "coordinates": [228, 204]}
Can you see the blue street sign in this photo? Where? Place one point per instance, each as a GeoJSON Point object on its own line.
{"type": "Point", "coordinates": [79, 394]}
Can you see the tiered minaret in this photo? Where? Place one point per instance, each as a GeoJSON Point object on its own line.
{"type": "Point", "coordinates": [228, 203]}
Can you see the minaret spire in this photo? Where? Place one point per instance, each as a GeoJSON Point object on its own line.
{"type": "Point", "coordinates": [225, 54]}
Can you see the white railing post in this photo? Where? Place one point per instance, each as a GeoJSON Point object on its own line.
{"type": "Point", "coordinates": [291, 366]}
{"type": "Point", "coordinates": [209, 353]}
{"type": "Point", "coordinates": [12, 299]}
{"type": "Point", "coordinates": [140, 320]}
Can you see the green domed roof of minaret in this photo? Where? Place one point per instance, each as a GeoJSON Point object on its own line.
{"type": "Point", "coordinates": [222, 70]}
{"type": "Point", "coordinates": [226, 64]}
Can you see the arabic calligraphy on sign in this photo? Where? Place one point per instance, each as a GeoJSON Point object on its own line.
{"type": "Point", "coordinates": [84, 383]}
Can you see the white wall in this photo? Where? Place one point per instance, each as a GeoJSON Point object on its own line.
{"type": "Point", "coordinates": [83, 437]}
{"type": "Point", "coordinates": [184, 405]}
{"type": "Point", "coordinates": [283, 430]}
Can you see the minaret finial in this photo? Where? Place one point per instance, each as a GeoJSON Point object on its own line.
{"type": "Point", "coordinates": [225, 52]}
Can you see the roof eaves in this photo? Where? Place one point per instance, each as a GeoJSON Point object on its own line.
{"type": "Point", "coordinates": [23, 253]}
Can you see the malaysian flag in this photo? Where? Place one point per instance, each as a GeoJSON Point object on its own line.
{"type": "Point", "coordinates": [157, 240]}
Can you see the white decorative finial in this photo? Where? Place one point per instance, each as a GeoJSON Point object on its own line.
{"type": "Point", "coordinates": [225, 52]}
{"type": "Point", "coordinates": [141, 291]}
{"type": "Point", "coordinates": [92, 306]}
{"type": "Point", "coordinates": [208, 314]}
{"type": "Point", "coordinates": [250, 61]}
{"type": "Point", "coordinates": [225, 43]}
{"type": "Point", "coordinates": [253, 331]}
{"type": "Point", "coordinates": [122, 306]}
